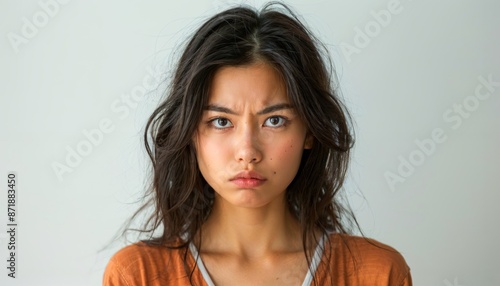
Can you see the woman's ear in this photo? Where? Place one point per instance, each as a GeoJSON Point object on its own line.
{"type": "Point", "coordinates": [308, 143]}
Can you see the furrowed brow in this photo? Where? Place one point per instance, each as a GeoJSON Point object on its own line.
{"type": "Point", "coordinates": [269, 109]}
{"type": "Point", "coordinates": [274, 108]}
{"type": "Point", "coordinates": [218, 108]}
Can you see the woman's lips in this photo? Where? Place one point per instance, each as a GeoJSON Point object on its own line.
{"type": "Point", "coordinates": [248, 179]}
{"type": "Point", "coordinates": [247, 182]}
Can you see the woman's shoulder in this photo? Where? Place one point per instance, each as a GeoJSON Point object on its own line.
{"type": "Point", "coordinates": [146, 264]}
{"type": "Point", "coordinates": [367, 260]}
{"type": "Point", "coordinates": [367, 249]}
{"type": "Point", "coordinates": [142, 253]}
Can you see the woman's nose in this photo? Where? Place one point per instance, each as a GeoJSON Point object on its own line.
{"type": "Point", "coordinates": [247, 149]}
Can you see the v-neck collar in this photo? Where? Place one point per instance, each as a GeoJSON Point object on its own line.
{"type": "Point", "coordinates": [316, 259]}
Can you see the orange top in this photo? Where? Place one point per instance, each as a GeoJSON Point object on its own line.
{"type": "Point", "coordinates": [358, 261]}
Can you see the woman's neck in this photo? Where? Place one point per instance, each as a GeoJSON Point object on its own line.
{"type": "Point", "coordinates": [251, 232]}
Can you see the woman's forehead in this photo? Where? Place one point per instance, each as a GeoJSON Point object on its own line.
{"type": "Point", "coordinates": [258, 83]}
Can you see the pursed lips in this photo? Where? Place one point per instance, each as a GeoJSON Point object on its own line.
{"type": "Point", "coordinates": [248, 179]}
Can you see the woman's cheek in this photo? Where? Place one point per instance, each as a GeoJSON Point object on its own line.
{"type": "Point", "coordinates": [285, 152]}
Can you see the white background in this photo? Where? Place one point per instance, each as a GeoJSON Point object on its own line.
{"type": "Point", "coordinates": [81, 62]}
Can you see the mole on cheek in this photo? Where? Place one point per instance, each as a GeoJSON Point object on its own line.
{"type": "Point", "coordinates": [275, 173]}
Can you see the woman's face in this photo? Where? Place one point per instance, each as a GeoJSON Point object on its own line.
{"type": "Point", "coordinates": [250, 139]}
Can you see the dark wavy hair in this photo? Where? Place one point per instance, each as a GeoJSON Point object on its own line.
{"type": "Point", "coordinates": [180, 197]}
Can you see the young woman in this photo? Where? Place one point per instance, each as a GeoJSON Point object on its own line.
{"type": "Point", "coordinates": [249, 153]}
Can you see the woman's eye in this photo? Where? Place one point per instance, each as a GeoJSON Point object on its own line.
{"type": "Point", "coordinates": [275, 121]}
{"type": "Point", "coordinates": [221, 123]}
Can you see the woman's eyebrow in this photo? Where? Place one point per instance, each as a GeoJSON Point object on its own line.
{"type": "Point", "coordinates": [218, 108]}
{"type": "Point", "coordinates": [274, 108]}
{"type": "Point", "coordinates": [269, 109]}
